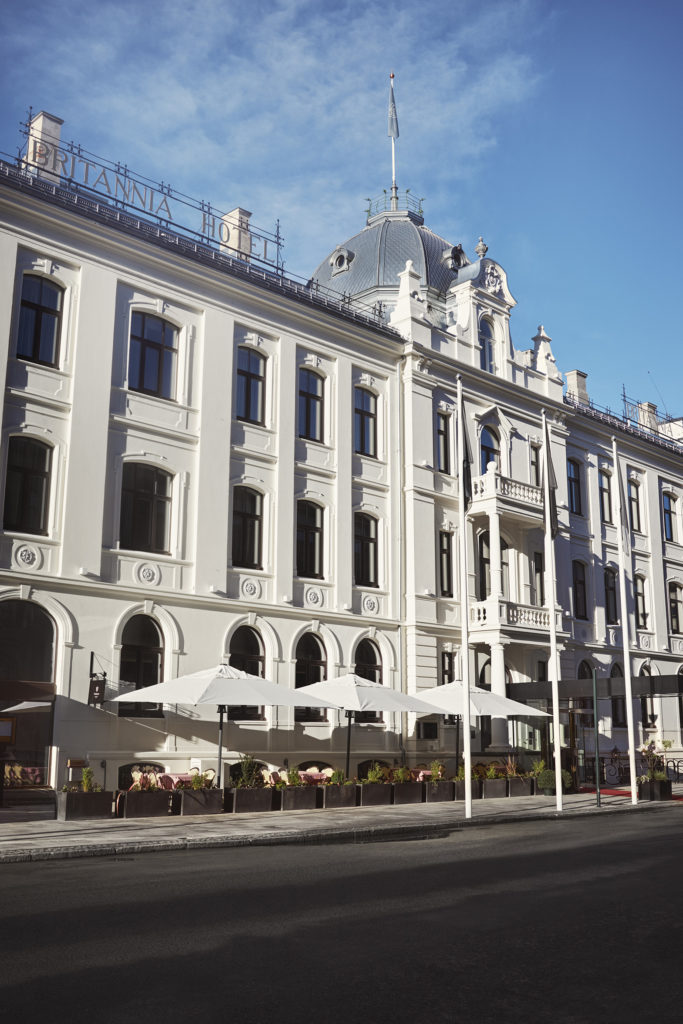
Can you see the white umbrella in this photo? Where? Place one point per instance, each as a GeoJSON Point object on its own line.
{"type": "Point", "coordinates": [353, 693]}
{"type": "Point", "coordinates": [224, 686]}
{"type": "Point", "coordinates": [28, 705]}
{"type": "Point", "coordinates": [448, 699]}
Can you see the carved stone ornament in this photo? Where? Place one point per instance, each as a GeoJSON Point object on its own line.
{"type": "Point", "coordinates": [366, 380]}
{"type": "Point", "coordinates": [148, 573]}
{"type": "Point", "coordinates": [677, 646]}
{"type": "Point", "coordinates": [492, 279]}
{"type": "Point", "coordinates": [250, 589]}
{"type": "Point", "coordinates": [370, 604]}
{"type": "Point", "coordinates": [314, 597]}
{"type": "Point", "coordinates": [26, 556]}
{"type": "Point", "coordinates": [644, 641]}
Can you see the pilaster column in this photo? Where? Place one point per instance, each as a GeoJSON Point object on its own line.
{"type": "Point", "coordinates": [499, 726]}
{"type": "Point", "coordinates": [494, 553]}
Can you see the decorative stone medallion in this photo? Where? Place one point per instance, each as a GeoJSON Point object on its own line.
{"type": "Point", "coordinates": [370, 604]}
{"type": "Point", "coordinates": [26, 556]}
{"type": "Point", "coordinates": [147, 573]}
{"type": "Point", "coordinates": [314, 597]}
{"type": "Point", "coordinates": [251, 589]}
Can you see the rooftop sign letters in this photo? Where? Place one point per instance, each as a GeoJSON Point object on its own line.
{"type": "Point", "coordinates": [69, 166]}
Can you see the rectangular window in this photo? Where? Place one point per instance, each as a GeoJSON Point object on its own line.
{"type": "Point", "coordinates": [675, 607]}
{"type": "Point", "coordinates": [610, 597]}
{"type": "Point", "coordinates": [447, 667]}
{"type": "Point", "coordinates": [542, 671]}
{"type": "Point", "coordinates": [535, 460]}
{"type": "Point", "coordinates": [152, 357]}
{"type": "Point", "coordinates": [251, 384]}
{"type": "Point", "coordinates": [40, 321]}
{"type": "Point", "coordinates": [247, 520]}
{"type": "Point", "coordinates": [310, 405]}
{"type": "Point", "coordinates": [641, 609]}
{"type": "Point", "coordinates": [365, 550]}
{"type": "Point", "coordinates": [443, 444]}
{"type": "Point", "coordinates": [27, 486]}
{"type": "Point", "coordinates": [365, 422]}
{"type": "Point", "coordinates": [145, 508]}
{"type": "Point", "coordinates": [634, 505]}
{"type": "Point", "coordinates": [309, 540]}
{"type": "Point", "coordinates": [446, 563]}
{"type": "Point", "coordinates": [618, 712]}
{"type": "Point", "coordinates": [579, 590]}
{"type": "Point", "coordinates": [605, 486]}
{"type": "Point", "coordinates": [574, 486]}
{"type": "Point", "coordinates": [537, 580]}
{"type": "Point", "coordinates": [668, 513]}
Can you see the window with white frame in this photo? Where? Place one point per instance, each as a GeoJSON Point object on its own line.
{"type": "Point", "coordinates": [605, 491]}
{"type": "Point", "coordinates": [574, 486]}
{"type": "Point", "coordinates": [610, 597]}
{"type": "Point", "coordinates": [247, 528]}
{"type": "Point", "coordinates": [669, 516]}
{"type": "Point", "coordinates": [153, 355]}
{"type": "Point", "coordinates": [309, 540]}
{"type": "Point", "coordinates": [40, 320]}
{"type": "Point", "coordinates": [634, 505]}
{"type": "Point", "coordinates": [365, 422]}
{"type": "Point", "coordinates": [311, 405]}
{"type": "Point", "coordinates": [145, 508]}
{"type": "Point", "coordinates": [443, 442]}
{"type": "Point", "coordinates": [486, 345]}
{"type": "Point", "coordinates": [27, 486]}
{"type": "Point", "coordinates": [489, 446]}
{"type": "Point", "coordinates": [676, 607]}
{"type": "Point", "coordinates": [251, 386]}
{"type": "Point", "coordinates": [579, 597]}
{"type": "Point", "coordinates": [641, 602]}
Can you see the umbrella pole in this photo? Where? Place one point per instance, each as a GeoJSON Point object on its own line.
{"type": "Point", "coordinates": [349, 716]}
{"type": "Point", "coordinates": [221, 710]}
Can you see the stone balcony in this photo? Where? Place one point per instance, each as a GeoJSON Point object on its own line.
{"type": "Point", "coordinates": [511, 497]}
{"type": "Point", "coordinates": [500, 613]}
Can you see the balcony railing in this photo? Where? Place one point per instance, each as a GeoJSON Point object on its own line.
{"type": "Point", "coordinates": [492, 614]}
{"type": "Point", "coordinates": [492, 485]}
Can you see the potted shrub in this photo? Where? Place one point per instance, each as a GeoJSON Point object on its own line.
{"type": "Point", "coordinates": [459, 780]}
{"type": "Point", "coordinates": [438, 788]}
{"type": "Point", "coordinates": [545, 781]}
{"type": "Point", "coordinates": [249, 792]}
{"type": "Point", "coordinates": [198, 796]}
{"type": "Point", "coordinates": [494, 782]}
{"type": "Point", "coordinates": [145, 798]}
{"type": "Point", "coordinates": [339, 791]}
{"type": "Point", "coordinates": [654, 785]}
{"type": "Point", "coordinates": [374, 791]}
{"type": "Point", "coordinates": [297, 795]}
{"type": "Point", "coordinates": [518, 784]}
{"type": "Point", "coordinates": [536, 768]}
{"type": "Point", "coordinates": [405, 789]}
{"type": "Point", "coordinates": [87, 800]}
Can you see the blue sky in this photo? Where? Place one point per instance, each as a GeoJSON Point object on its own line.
{"type": "Point", "coordinates": [550, 127]}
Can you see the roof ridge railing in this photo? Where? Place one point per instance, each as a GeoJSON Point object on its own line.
{"type": "Point", "coordinates": [623, 423]}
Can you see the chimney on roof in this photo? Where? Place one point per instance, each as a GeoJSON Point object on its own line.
{"type": "Point", "coordinates": [44, 132]}
{"type": "Point", "coordinates": [647, 416]}
{"type": "Point", "coordinates": [576, 386]}
{"type": "Point", "coordinates": [235, 236]}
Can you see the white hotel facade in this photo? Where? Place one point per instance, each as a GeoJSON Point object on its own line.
{"type": "Point", "coordinates": [204, 460]}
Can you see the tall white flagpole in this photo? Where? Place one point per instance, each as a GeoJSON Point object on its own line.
{"type": "Point", "coordinates": [550, 602]}
{"type": "Point", "coordinates": [464, 609]}
{"type": "Point", "coordinates": [623, 535]}
{"type": "Point", "coordinates": [392, 132]}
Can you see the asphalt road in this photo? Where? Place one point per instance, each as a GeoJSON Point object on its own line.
{"type": "Point", "coordinates": [570, 922]}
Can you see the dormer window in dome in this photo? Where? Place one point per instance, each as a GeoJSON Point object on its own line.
{"type": "Point", "coordinates": [341, 260]}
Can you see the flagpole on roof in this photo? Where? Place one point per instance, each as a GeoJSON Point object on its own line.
{"type": "Point", "coordinates": [392, 132]}
{"type": "Point", "coordinates": [550, 516]}
{"type": "Point", "coordinates": [624, 547]}
{"type": "Point", "coordinates": [463, 495]}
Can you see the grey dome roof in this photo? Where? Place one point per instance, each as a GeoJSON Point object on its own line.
{"type": "Point", "coordinates": [377, 255]}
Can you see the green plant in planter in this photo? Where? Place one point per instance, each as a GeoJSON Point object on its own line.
{"type": "Point", "coordinates": [511, 768]}
{"type": "Point", "coordinates": [546, 779]}
{"type": "Point", "coordinates": [402, 774]}
{"type": "Point", "coordinates": [375, 773]}
{"type": "Point", "coordinates": [437, 769]}
{"type": "Point", "coordinates": [536, 768]}
{"type": "Point", "coordinates": [493, 771]}
{"type": "Point", "coordinates": [248, 774]}
{"type": "Point", "coordinates": [293, 777]}
{"type": "Point", "coordinates": [203, 780]}
{"type": "Point", "coordinates": [460, 774]}
{"type": "Point", "coordinates": [337, 778]}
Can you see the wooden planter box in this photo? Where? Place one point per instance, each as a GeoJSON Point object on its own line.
{"type": "Point", "coordinates": [145, 804]}
{"type": "Point", "coordinates": [408, 792]}
{"type": "Point", "coordinates": [340, 796]}
{"type": "Point", "coordinates": [251, 801]}
{"type": "Point", "coordinates": [460, 789]}
{"type": "Point", "coordinates": [299, 798]}
{"type": "Point", "coordinates": [71, 806]}
{"type": "Point", "coordinates": [200, 801]}
{"type": "Point", "coordinates": [655, 789]}
{"type": "Point", "coordinates": [520, 787]}
{"type": "Point", "coordinates": [375, 794]}
{"type": "Point", "coordinates": [493, 789]}
{"type": "Point", "coordinates": [442, 790]}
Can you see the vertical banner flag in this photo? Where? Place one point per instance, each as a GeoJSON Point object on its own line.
{"type": "Point", "coordinates": [623, 514]}
{"type": "Point", "coordinates": [466, 463]}
{"type": "Point", "coordinates": [393, 117]}
{"type": "Point", "coordinates": [552, 484]}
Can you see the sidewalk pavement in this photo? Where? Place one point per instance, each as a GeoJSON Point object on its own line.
{"type": "Point", "coordinates": [23, 839]}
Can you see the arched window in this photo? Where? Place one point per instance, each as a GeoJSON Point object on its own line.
{"type": "Point", "coordinates": [142, 656]}
{"type": "Point", "coordinates": [40, 321]}
{"type": "Point", "coordinates": [27, 486]}
{"type": "Point", "coordinates": [611, 597]}
{"type": "Point", "coordinates": [574, 486]}
{"type": "Point", "coordinates": [490, 449]}
{"type": "Point", "coordinates": [309, 540]}
{"type": "Point", "coordinates": [311, 667]}
{"type": "Point", "coordinates": [251, 386]}
{"type": "Point", "coordinates": [618, 701]}
{"type": "Point", "coordinates": [485, 566]}
{"type": "Point", "coordinates": [27, 637]}
{"type": "Point", "coordinates": [365, 550]}
{"type": "Point", "coordinates": [486, 345]}
{"type": "Point", "coordinates": [153, 356]}
{"type": "Point", "coordinates": [145, 508]}
{"type": "Point", "coordinates": [247, 528]}
{"type": "Point", "coordinates": [368, 666]}
{"type": "Point", "coordinates": [579, 600]}
{"type": "Point", "coordinates": [365, 422]}
{"type": "Point", "coordinates": [676, 607]}
{"type": "Point", "coordinates": [310, 405]}
{"type": "Point", "coordinates": [246, 653]}
{"type": "Point", "coordinates": [669, 516]}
